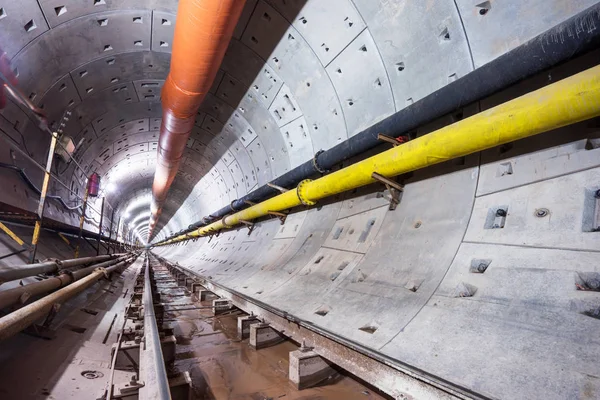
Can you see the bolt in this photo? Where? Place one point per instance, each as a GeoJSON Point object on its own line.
{"type": "Point", "coordinates": [500, 212]}
{"type": "Point", "coordinates": [482, 267]}
{"type": "Point", "coordinates": [133, 380]}
{"type": "Point", "coordinates": [541, 212]}
{"type": "Point", "coordinates": [597, 194]}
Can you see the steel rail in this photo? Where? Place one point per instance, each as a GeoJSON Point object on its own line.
{"type": "Point", "coordinates": [153, 372]}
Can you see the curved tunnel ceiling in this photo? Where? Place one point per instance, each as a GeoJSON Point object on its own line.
{"type": "Point", "coordinates": [299, 77]}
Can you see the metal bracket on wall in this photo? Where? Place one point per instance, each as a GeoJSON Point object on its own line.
{"type": "Point", "coordinates": [249, 224]}
{"type": "Point", "coordinates": [394, 141]}
{"type": "Point", "coordinates": [282, 216]}
{"type": "Point", "coordinates": [393, 187]}
{"type": "Point", "coordinates": [281, 189]}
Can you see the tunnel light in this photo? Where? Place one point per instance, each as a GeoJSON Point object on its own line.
{"type": "Point", "coordinates": [110, 187]}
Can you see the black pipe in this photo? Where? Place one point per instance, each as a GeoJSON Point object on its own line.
{"type": "Point", "coordinates": [573, 37]}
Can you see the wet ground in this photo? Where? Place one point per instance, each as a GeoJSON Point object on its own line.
{"type": "Point", "coordinates": [225, 368]}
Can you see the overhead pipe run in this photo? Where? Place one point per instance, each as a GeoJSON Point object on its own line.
{"type": "Point", "coordinates": [565, 102]}
{"type": "Point", "coordinates": [202, 34]}
{"type": "Point", "coordinates": [565, 41]}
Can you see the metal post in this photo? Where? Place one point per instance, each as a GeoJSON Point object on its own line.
{"type": "Point", "coordinates": [117, 244]}
{"type": "Point", "coordinates": [112, 216]}
{"type": "Point", "coordinates": [42, 203]}
{"type": "Point", "coordinates": [82, 219]}
{"type": "Point", "coordinates": [100, 228]}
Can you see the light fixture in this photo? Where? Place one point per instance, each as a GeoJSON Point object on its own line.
{"type": "Point", "coordinates": [110, 187]}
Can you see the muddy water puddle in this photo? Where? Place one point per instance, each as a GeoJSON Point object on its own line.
{"type": "Point", "coordinates": [225, 368]}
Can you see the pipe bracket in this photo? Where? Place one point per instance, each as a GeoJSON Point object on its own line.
{"type": "Point", "coordinates": [299, 191]}
{"type": "Point", "coordinates": [315, 162]}
{"type": "Point", "coordinates": [224, 223]}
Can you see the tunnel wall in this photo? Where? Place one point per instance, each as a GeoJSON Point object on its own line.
{"type": "Point", "coordinates": [298, 78]}
{"type": "Point", "coordinates": [408, 283]}
{"type": "Point", "coordinates": [362, 60]}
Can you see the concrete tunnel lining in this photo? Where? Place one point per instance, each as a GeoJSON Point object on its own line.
{"type": "Point", "coordinates": [306, 78]}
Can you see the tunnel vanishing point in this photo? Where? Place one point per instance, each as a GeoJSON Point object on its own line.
{"type": "Point", "coordinates": [299, 199]}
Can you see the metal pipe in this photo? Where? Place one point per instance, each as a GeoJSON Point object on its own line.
{"type": "Point", "coordinates": [22, 271]}
{"type": "Point", "coordinates": [202, 34]}
{"type": "Point", "coordinates": [567, 40]}
{"type": "Point", "coordinates": [152, 363]}
{"type": "Point", "coordinates": [566, 102]}
{"type": "Point", "coordinates": [20, 319]}
{"type": "Point", "coordinates": [23, 293]}
{"type": "Point", "coordinates": [40, 212]}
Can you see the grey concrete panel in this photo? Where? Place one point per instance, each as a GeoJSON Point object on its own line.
{"type": "Point", "coordinates": [59, 11]}
{"type": "Point", "coordinates": [364, 91]}
{"type": "Point", "coordinates": [567, 200]}
{"type": "Point", "coordinates": [405, 264]}
{"type": "Point", "coordinates": [163, 29]}
{"type": "Point", "coordinates": [327, 125]}
{"type": "Point", "coordinates": [485, 23]}
{"type": "Point", "coordinates": [60, 97]}
{"type": "Point", "coordinates": [505, 331]}
{"type": "Point", "coordinates": [261, 162]}
{"type": "Point", "coordinates": [364, 199]}
{"type": "Point", "coordinates": [227, 179]}
{"type": "Point", "coordinates": [241, 128]}
{"type": "Point", "coordinates": [284, 107]}
{"type": "Point", "coordinates": [420, 57]}
{"type": "Point", "coordinates": [356, 233]}
{"type": "Point", "coordinates": [517, 170]}
{"type": "Point", "coordinates": [243, 158]}
{"type": "Point", "coordinates": [20, 23]}
{"type": "Point", "coordinates": [239, 178]}
{"type": "Point", "coordinates": [327, 26]}
{"type": "Point", "coordinates": [246, 66]}
{"type": "Point", "coordinates": [149, 89]}
{"type": "Point", "coordinates": [244, 17]}
{"type": "Point", "coordinates": [94, 40]}
{"type": "Point", "coordinates": [113, 70]}
{"type": "Point", "coordinates": [268, 132]}
{"type": "Point", "coordinates": [298, 141]}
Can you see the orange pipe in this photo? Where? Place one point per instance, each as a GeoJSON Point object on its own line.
{"type": "Point", "coordinates": [202, 33]}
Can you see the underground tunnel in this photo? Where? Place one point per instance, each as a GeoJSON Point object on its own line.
{"type": "Point", "coordinates": [299, 199]}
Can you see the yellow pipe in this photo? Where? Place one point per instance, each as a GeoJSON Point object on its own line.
{"type": "Point", "coordinates": [566, 102]}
